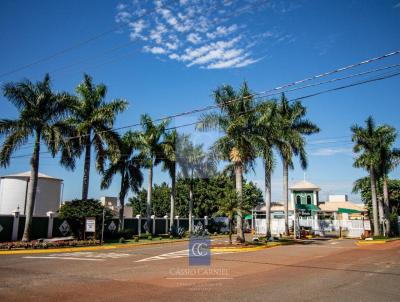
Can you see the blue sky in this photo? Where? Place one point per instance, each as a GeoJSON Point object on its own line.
{"type": "Point", "coordinates": [167, 57]}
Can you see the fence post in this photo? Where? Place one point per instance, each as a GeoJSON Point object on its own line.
{"type": "Point", "coordinates": [154, 224]}
{"type": "Point", "coordinates": [177, 221]}
{"type": "Point", "coordinates": [139, 225]}
{"type": "Point", "coordinates": [14, 235]}
{"type": "Point", "coordinates": [50, 214]}
{"type": "Point", "coordinates": [166, 224]}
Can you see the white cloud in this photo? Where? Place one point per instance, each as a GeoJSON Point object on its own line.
{"type": "Point", "coordinates": [331, 151]}
{"type": "Point", "coordinates": [137, 28]}
{"type": "Point", "coordinates": [193, 38]}
{"type": "Point", "coordinates": [121, 6]}
{"type": "Point", "coordinates": [154, 50]}
{"type": "Point", "coordinates": [198, 33]}
{"type": "Point", "coordinates": [222, 31]}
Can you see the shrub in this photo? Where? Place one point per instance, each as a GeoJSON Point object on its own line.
{"type": "Point", "coordinates": [149, 237]}
{"type": "Point", "coordinates": [136, 239]}
{"type": "Point", "coordinates": [122, 240]}
{"type": "Point", "coordinates": [77, 210]}
{"type": "Point", "coordinates": [36, 244]}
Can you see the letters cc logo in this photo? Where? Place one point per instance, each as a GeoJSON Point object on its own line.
{"type": "Point", "coordinates": [199, 249]}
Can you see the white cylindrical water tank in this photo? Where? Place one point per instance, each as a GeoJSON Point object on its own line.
{"type": "Point", "coordinates": [14, 189]}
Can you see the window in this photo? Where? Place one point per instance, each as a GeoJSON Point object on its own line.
{"type": "Point", "coordinates": [298, 199]}
{"type": "Point", "coordinates": [308, 199]}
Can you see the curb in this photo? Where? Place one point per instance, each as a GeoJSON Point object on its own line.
{"type": "Point", "coordinates": [90, 248]}
{"type": "Point", "coordinates": [243, 249]}
{"type": "Point", "coordinates": [370, 242]}
{"type": "Point", "coordinates": [86, 248]}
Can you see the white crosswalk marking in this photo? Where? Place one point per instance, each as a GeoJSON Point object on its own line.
{"type": "Point", "coordinates": [89, 256]}
{"type": "Point", "coordinates": [174, 255]}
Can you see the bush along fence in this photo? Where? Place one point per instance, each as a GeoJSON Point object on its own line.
{"type": "Point", "coordinates": [50, 226]}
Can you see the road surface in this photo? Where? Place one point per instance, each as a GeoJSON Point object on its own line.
{"type": "Point", "coordinates": [334, 270]}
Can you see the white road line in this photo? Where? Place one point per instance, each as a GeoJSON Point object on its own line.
{"type": "Point", "coordinates": [174, 255]}
{"type": "Point", "coordinates": [62, 258]}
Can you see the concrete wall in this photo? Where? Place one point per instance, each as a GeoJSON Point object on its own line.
{"type": "Point", "coordinates": [13, 196]}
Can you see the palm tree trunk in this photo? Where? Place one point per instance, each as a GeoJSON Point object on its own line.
{"type": "Point", "coordinates": [149, 192]}
{"type": "Point", "coordinates": [386, 202]}
{"type": "Point", "coordinates": [30, 206]}
{"type": "Point", "coordinates": [267, 196]}
{"type": "Point", "coordinates": [190, 206]}
{"type": "Point", "coordinates": [230, 230]}
{"type": "Point", "coordinates": [173, 194]}
{"type": "Point", "coordinates": [381, 216]}
{"type": "Point", "coordinates": [286, 195]}
{"type": "Point", "coordinates": [121, 204]}
{"type": "Point", "coordinates": [86, 168]}
{"type": "Point", "coordinates": [239, 192]}
{"type": "Point", "coordinates": [374, 202]}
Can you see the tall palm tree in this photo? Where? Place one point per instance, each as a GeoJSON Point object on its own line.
{"type": "Point", "coordinates": [151, 148]}
{"type": "Point", "coordinates": [169, 164]}
{"type": "Point", "coordinates": [42, 114]}
{"type": "Point", "coordinates": [389, 158]}
{"type": "Point", "coordinates": [235, 120]}
{"type": "Point", "coordinates": [127, 164]}
{"type": "Point", "coordinates": [293, 128]}
{"type": "Point", "coordinates": [193, 162]}
{"type": "Point", "coordinates": [367, 143]}
{"type": "Point", "coordinates": [267, 137]}
{"type": "Point", "coordinates": [94, 118]}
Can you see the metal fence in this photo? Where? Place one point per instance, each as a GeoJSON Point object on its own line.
{"type": "Point", "coordinates": [349, 228]}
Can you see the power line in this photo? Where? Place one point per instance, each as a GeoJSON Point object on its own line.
{"type": "Point", "coordinates": [295, 99]}
{"type": "Point", "coordinates": [273, 91]}
{"type": "Point", "coordinates": [70, 48]}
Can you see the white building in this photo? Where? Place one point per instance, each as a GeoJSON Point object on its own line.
{"type": "Point", "coordinates": [112, 204]}
{"type": "Point", "coordinates": [304, 196]}
{"type": "Point", "coordinates": [14, 191]}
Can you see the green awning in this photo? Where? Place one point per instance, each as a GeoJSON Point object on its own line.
{"type": "Point", "coordinates": [307, 207]}
{"type": "Point", "coordinates": [248, 216]}
{"type": "Point", "coordinates": [348, 211]}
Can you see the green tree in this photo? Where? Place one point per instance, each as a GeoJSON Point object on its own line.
{"type": "Point", "coordinates": [293, 128]}
{"type": "Point", "coordinates": [367, 145]}
{"type": "Point", "coordinates": [267, 137]}
{"type": "Point", "coordinates": [235, 120]}
{"type": "Point", "coordinates": [169, 164]}
{"type": "Point", "coordinates": [194, 163]}
{"type": "Point", "coordinates": [363, 186]}
{"type": "Point", "coordinates": [77, 210]}
{"type": "Point", "coordinates": [151, 148]}
{"type": "Point", "coordinates": [42, 114]}
{"type": "Point", "coordinates": [94, 118]}
{"type": "Point", "coordinates": [389, 159]}
{"type": "Point", "coordinates": [127, 165]}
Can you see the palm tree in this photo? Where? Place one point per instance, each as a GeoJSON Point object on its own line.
{"type": "Point", "coordinates": [42, 114]}
{"type": "Point", "coordinates": [94, 119]}
{"type": "Point", "coordinates": [367, 142]}
{"type": "Point", "coordinates": [267, 137]}
{"type": "Point", "coordinates": [389, 158]}
{"type": "Point", "coordinates": [193, 162]}
{"type": "Point", "coordinates": [128, 165]}
{"type": "Point", "coordinates": [235, 120]}
{"type": "Point", "coordinates": [169, 164]}
{"type": "Point", "coordinates": [293, 128]}
{"type": "Point", "coordinates": [151, 147]}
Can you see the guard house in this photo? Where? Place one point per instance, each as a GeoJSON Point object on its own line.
{"type": "Point", "coordinates": [304, 196]}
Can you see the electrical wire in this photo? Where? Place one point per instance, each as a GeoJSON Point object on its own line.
{"type": "Point", "coordinates": [303, 97]}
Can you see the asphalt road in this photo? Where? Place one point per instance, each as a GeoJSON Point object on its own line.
{"type": "Point", "coordinates": [335, 270]}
